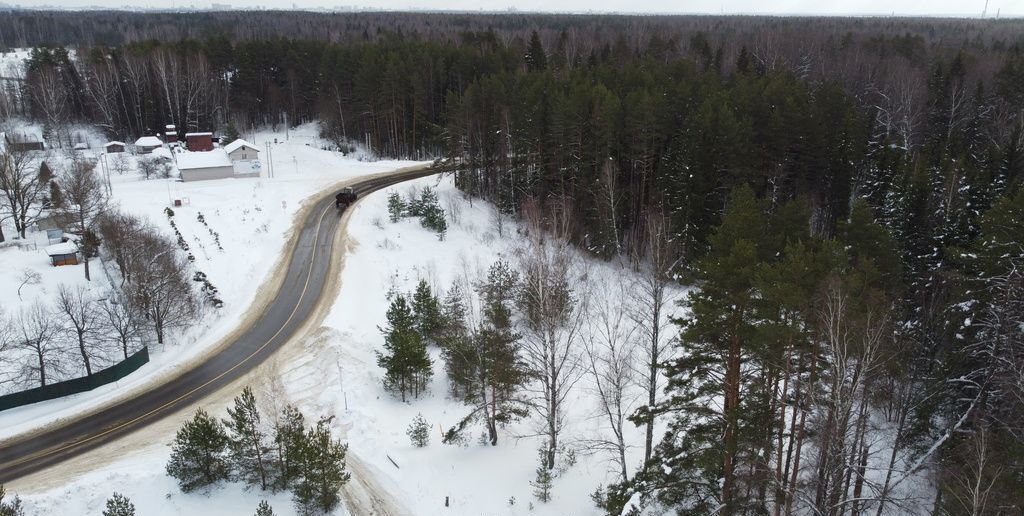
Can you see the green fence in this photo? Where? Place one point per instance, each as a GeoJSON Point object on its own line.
{"type": "Point", "coordinates": [86, 383]}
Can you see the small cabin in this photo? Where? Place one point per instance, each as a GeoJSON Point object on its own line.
{"type": "Point", "coordinates": [199, 142]}
{"type": "Point", "coordinates": [64, 253]}
{"type": "Point", "coordinates": [146, 144]}
{"type": "Point", "coordinates": [114, 147]}
{"type": "Point", "coordinates": [241, 150]}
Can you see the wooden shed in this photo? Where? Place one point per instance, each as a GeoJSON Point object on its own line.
{"type": "Point", "coordinates": [64, 253]}
{"type": "Point", "coordinates": [199, 142]}
{"type": "Point", "coordinates": [114, 147]}
{"type": "Point", "coordinates": [24, 141]}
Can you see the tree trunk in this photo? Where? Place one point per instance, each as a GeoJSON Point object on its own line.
{"type": "Point", "coordinates": [42, 369]}
{"type": "Point", "coordinates": [730, 409]}
{"type": "Point", "coordinates": [85, 354]}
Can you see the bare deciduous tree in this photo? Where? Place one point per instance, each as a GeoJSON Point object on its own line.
{"type": "Point", "coordinates": [85, 202]}
{"type": "Point", "coordinates": [554, 315]}
{"type": "Point", "coordinates": [127, 240]}
{"type": "Point", "coordinates": [122, 322]}
{"type": "Point", "coordinates": [81, 321]}
{"type": "Point", "coordinates": [36, 334]}
{"type": "Point", "coordinates": [28, 277]}
{"type": "Point", "coordinates": [650, 301]}
{"type": "Point", "coordinates": [22, 186]}
{"type": "Point", "coordinates": [973, 481]}
{"type": "Point", "coordinates": [610, 345]}
{"type": "Point", "coordinates": [161, 288]}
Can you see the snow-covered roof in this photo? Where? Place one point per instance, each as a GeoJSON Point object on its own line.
{"type": "Point", "coordinates": [209, 159]}
{"type": "Point", "coordinates": [81, 146]}
{"type": "Point", "coordinates": [108, 144]}
{"type": "Point", "coordinates": [169, 126]}
{"type": "Point", "coordinates": [238, 144]}
{"type": "Point", "coordinates": [198, 134]}
{"type": "Point", "coordinates": [163, 152]}
{"type": "Point", "coordinates": [149, 141]}
{"type": "Point", "coordinates": [61, 248]}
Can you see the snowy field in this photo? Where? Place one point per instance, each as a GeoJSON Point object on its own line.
{"type": "Point", "coordinates": [335, 372]}
{"type": "Point", "coordinates": [252, 218]}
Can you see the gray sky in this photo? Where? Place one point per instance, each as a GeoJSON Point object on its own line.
{"type": "Point", "coordinates": [815, 7]}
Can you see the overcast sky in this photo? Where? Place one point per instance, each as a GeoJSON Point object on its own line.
{"type": "Point", "coordinates": [972, 8]}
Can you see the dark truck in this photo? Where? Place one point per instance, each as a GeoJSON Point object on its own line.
{"type": "Point", "coordinates": [344, 198]}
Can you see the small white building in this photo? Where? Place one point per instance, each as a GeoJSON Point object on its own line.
{"type": "Point", "coordinates": [146, 144]}
{"type": "Point", "coordinates": [205, 165]}
{"type": "Point", "coordinates": [241, 150]}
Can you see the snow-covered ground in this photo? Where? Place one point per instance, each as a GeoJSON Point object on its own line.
{"type": "Point", "coordinates": [252, 218]}
{"type": "Point", "coordinates": [334, 371]}
{"type": "Point", "coordinates": [477, 478]}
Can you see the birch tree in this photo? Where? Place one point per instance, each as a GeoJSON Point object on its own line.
{"type": "Point", "coordinates": [554, 313]}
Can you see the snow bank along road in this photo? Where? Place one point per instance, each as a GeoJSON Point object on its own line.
{"type": "Point", "coordinates": [297, 298]}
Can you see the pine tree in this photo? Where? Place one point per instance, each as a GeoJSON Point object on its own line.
{"type": "Point", "coordinates": [12, 507]}
{"type": "Point", "coordinates": [536, 59]}
{"type": "Point", "coordinates": [323, 471]}
{"type": "Point", "coordinates": [427, 311]}
{"type": "Point", "coordinates": [419, 432]}
{"type": "Point", "coordinates": [407, 366]}
{"type": "Point", "coordinates": [199, 453]}
{"type": "Point", "coordinates": [264, 509]}
{"type": "Point", "coordinates": [56, 195]}
{"type": "Point", "coordinates": [119, 505]}
{"type": "Point", "coordinates": [434, 220]}
{"type": "Point", "coordinates": [708, 448]}
{"type": "Point", "coordinates": [231, 132]}
{"type": "Point", "coordinates": [542, 483]}
{"type": "Point", "coordinates": [397, 207]}
{"type": "Point", "coordinates": [484, 367]}
{"type": "Point", "coordinates": [454, 340]}
{"type": "Point", "coordinates": [289, 436]}
{"type": "Point", "coordinates": [250, 451]}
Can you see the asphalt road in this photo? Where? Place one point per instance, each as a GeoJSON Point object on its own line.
{"type": "Point", "coordinates": [297, 298]}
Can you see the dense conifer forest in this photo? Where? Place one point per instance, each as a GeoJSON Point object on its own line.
{"type": "Point", "coordinates": [845, 195]}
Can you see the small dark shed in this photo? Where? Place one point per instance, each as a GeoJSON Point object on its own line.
{"type": "Point", "coordinates": [64, 253]}
{"type": "Point", "coordinates": [24, 142]}
{"type": "Point", "coordinates": [199, 142]}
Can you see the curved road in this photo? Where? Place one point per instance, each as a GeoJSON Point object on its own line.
{"type": "Point", "coordinates": [297, 298]}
